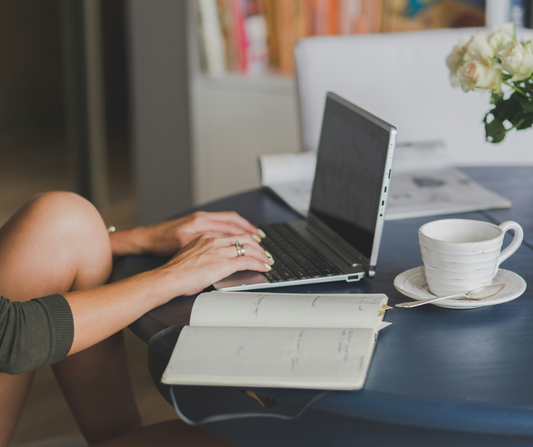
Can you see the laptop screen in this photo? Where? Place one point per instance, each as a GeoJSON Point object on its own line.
{"type": "Point", "coordinates": [351, 161]}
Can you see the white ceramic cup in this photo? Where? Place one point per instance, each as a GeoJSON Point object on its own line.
{"type": "Point", "coordinates": [460, 255]}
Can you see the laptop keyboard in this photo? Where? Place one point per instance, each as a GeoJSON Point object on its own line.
{"type": "Point", "coordinates": [294, 257]}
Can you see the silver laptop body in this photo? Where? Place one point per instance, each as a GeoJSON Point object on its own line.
{"type": "Point", "coordinates": [348, 198]}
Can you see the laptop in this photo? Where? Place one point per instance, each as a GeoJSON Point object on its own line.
{"type": "Point", "coordinates": [339, 240]}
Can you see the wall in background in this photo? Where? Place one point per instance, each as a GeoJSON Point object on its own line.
{"type": "Point", "coordinates": [31, 74]}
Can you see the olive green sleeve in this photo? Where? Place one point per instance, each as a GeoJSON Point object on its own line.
{"type": "Point", "coordinates": [34, 333]}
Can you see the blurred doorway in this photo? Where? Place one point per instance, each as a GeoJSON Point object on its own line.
{"type": "Point", "coordinates": [35, 115]}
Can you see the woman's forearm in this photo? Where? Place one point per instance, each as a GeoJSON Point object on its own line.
{"type": "Point", "coordinates": [100, 312]}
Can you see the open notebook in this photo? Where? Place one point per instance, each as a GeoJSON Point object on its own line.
{"type": "Point", "coordinates": [278, 340]}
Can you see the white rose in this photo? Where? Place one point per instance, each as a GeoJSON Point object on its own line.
{"type": "Point", "coordinates": [476, 45]}
{"type": "Point", "coordinates": [481, 46]}
{"type": "Point", "coordinates": [517, 60]}
{"type": "Point", "coordinates": [502, 35]}
{"type": "Point", "coordinates": [480, 75]}
{"type": "Point", "coordinates": [455, 58]}
{"type": "Point", "coordinates": [454, 61]}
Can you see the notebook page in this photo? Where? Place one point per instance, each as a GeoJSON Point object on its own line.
{"type": "Point", "coordinates": [287, 167]}
{"type": "Point", "coordinates": [288, 310]}
{"type": "Point", "coordinates": [273, 357]}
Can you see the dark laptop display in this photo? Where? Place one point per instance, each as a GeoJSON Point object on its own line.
{"type": "Point", "coordinates": [349, 174]}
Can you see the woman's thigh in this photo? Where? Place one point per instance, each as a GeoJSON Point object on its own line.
{"type": "Point", "coordinates": [55, 243]}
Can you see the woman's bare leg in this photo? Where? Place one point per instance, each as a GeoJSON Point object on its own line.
{"type": "Point", "coordinates": [58, 243]}
{"type": "Point", "coordinates": [97, 386]}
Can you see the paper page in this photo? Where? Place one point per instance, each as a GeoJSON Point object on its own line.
{"type": "Point", "coordinates": [272, 357]}
{"type": "Point", "coordinates": [420, 156]}
{"type": "Point", "coordinates": [256, 309]}
{"type": "Point", "coordinates": [290, 176]}
{"type": "Point", "coordinates": [383, 325]}
{"type": "Point", "coordinates": [295, 194]}
{"type": "Point", "coordinates": [433, 192]}
{"type": "Point", "coordinates": [287, 167]}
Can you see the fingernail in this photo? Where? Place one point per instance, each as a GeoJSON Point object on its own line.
{"type": "Point", "coordinates": [269, 256]}
{"type": "Point", "coordinates": [261, 233]}
{"type": "Point", "coordinates": [268, 267]}
{"type": "Point", "coordinates": [256, 237]}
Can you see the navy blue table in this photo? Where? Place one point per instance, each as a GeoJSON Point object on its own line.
{"type": "Point", "coordinates": [439, 377]}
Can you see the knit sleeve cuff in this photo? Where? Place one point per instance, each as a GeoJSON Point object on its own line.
{"type": "Point", "coordinates": [62, 327]}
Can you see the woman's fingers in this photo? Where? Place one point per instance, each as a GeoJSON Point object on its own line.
{"type": "Point", "coordinates": [250, 251]}
{"type": "Point", "coordinates": [221, 241]}
{"type": "Point", "coordinates": [231, 216]}
{"type": "Point", "coordinates": [222, 227]}
{"type": "Point", "coordinates": [236, 220]}
{"type": "Point", "coordinates": [249, 263]}
{"type": "Point", "coordinates": [225, 246]}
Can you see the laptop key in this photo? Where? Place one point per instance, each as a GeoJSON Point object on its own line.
{"type": "Point", "coordinates": [301, 274]}
{"type": "Point", "coordinates": [311, 270]}
{"type": "Point", "coordinates": [273, 276]}
{"type": "Point", "coordinates": [327, 271]}
{"type": "Point", "coordinates": [284, 272]}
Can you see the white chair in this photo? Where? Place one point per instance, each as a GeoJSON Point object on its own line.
{"type": "Point", "coordinates": [403, 79]}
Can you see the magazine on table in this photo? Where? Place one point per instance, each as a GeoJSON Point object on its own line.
{"type": "Point", "coordinates": [422, 182]}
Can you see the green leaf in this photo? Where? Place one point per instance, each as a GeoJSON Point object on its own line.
{"type": "Point", "coordinates": [495, 98]}
{"type": "Point", "coordinates": [524, 121]}
{"type": "Point", "coordinates": [495, 130]}
{"type": "Point", "coordinates": [527, 105]}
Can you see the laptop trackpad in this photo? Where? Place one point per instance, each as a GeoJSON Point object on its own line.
{"type": "Point", "coordinates": [240, 279]}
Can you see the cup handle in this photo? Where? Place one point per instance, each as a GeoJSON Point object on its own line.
{"type": "Point", "coordinates": [515, 243]}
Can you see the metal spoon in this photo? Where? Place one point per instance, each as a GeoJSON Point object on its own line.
{"type": "Point", "coordinates": [477, 294]}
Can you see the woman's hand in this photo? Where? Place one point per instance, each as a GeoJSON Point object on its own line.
{"type": "Point", "coordinates": [210, 258]}
{"type": "Point", "coordinates": [166, 238]}
{"type": "Point", "coordinates": [102, 311]}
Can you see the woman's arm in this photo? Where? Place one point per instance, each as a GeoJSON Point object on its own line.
{"type": "Point", "coordinates": [42, 331]}
{"type": "Point", "coordinates": [102, 311]}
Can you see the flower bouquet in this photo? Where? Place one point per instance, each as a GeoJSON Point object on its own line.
{"type": "Point", "coordinates": [502, 65]}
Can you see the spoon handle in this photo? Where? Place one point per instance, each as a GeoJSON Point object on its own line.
{"type": "Point", "coordinates": [410, 304]}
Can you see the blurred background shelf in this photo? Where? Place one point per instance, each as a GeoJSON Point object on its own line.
{"type": "Point", "coordinates": [237, 116]}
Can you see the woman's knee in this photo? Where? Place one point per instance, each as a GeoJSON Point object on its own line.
{"type": "Point", "coordinates": [58, 210]}
{"type": "Point", "coordinates": [64, 230]}
{"type": "Point", "coordinates": [78, 225]}
{"type": "Point", "coordinates": [66, 212]}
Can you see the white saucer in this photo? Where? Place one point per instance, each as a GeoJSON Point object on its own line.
{"type": "Point", "coordinates": [412, 283]}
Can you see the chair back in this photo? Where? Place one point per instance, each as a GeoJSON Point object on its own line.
{"type": "Point", "coordinates": [403, 79]}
